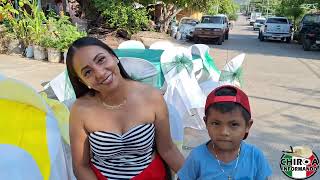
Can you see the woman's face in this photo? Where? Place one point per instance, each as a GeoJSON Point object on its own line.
{"type": "Point", "coordinates": [97, 68]}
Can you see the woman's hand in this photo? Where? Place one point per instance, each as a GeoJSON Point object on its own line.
{"type": "Point", "coordinates": [166, 148]}
{"type": "Point", "coordinates": [79, 145]}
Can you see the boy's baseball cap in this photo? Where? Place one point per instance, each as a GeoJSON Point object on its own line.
{"type": "Point", "coordinates": [240, 98]}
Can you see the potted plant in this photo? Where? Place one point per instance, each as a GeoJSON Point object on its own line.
{"type": "Point", "coordinates": [37, 30]}
{"type": "Point", "coordinates": [3, 40]}
{"type": "Point", "coordinates": [68, 34]}
{"type": "Point", "coordinates": [8, 12]}
{"type": "Point", "coordinates": [52, 45]}
{"type": "Point", "coordinates": [52, 40]}
{"type": "Point", "coordinates": [60, 35]}
{"type": "Point", "coordinates": [24, 24]}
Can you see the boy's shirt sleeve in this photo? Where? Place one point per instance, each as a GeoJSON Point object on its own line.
{"type": "Point", "coordinates": [190, 168]}
{"type": "Point", "coordinates": [263, 168]}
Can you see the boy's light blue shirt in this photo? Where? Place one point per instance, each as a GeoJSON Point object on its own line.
{"type": "Point", "coordinates": [203, 165]}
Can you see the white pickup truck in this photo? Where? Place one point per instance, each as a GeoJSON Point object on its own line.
{"type": "Point", "coordinates": [277, 28]}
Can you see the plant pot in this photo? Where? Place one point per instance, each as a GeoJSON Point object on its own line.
{"type": "Point", "coordinates": [65, 57]}
{"type": "Point", "coordinates": [29, 51]}
{"type": "Point", "coordinates": [54, 55]}
{"type": "Point", "coordinates": [39, 53]}
{"type": "Point", "coordinates": [15, 47]}
{"type": "Point", "coordinates": [3, 46]}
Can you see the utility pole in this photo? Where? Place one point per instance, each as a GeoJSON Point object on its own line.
{"type": "Point", "coordinates": [267, 8]}
{"type": "Point", "coordinates": [262, 6]}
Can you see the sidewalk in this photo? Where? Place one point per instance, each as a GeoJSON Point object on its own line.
{"type": "Point", "coordinates": [30, 71]}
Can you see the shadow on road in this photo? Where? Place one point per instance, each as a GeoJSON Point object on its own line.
{"type": "Point", "coordinates": [252, 45]}
{"type": "Point", "coordinates": [304, 91]}
{"type": "Point", "coordinates": [286, 102]}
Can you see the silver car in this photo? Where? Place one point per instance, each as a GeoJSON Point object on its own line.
{"type": "Point", "coordinates": [186, 27]}
{"type": "Point", "coordinates": [258, 23]}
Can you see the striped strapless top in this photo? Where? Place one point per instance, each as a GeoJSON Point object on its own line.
{"type": "Point", "coordinates": [123, 156]}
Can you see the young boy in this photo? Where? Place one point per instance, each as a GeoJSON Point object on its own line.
{"type": "Point", "coordinates": [226, 156]}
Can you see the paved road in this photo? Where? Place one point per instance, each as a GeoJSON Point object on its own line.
{"type": "Point", "coordinates": [283, 83]}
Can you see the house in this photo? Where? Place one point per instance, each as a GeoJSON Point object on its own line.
{"type": "Point", "coordinates": [189, 13]}
{"type": "Point", "coordinates": [156, 10]}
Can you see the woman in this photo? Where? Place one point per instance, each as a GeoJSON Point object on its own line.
{"type": "Point", "coordinates": [118, 127]}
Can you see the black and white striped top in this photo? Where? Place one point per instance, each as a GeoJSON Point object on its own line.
{"type": "Point", "coordinates": [123, 156]}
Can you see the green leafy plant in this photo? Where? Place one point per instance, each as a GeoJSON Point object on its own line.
{"type": "Point", "coordinates": [68, 33]}
{"type": "Point", "coordinates": [61, 33]}
{"type": "Point", "coordinates": [8, 13]}
{"type": "Point", "coordinates": [123, 15]}
{"type": "Point", "coordinates": [27, 27]}
{"type": "Point", "coordinates": [37, 28]}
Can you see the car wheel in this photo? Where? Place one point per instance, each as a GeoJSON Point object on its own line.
{"type": "Point", "coordinates": [299, 39]}
{"type": "Point", "coordinates": [220, 40]}
{"type": "Point", "coordinates": [261, 37]}
{"type": "Point", "coordinates": [306, 44]}
{"type": "Point", "coordinates": [288, 40]}
{"type": "Point", "coordinates": [226, 37]}
{"type": "Point", "coordinates": [196, 40]}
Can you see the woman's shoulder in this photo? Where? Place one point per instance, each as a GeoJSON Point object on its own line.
{"type": "Point", "coordinates": [147, 91]}
{"type": "Point", "coordinates": [81, 104]}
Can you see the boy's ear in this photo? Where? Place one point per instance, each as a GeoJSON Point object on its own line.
{"type": "Point", "coordinates": [249, 124]}
{"type": "Point", "coordinates": [205, 118]}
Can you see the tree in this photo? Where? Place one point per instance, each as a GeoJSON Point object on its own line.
{"type": "Point", "coordinates": [266, 7]}
{"type": "Point", "coordinates": [122, 15]}
{"type": "Point", "coordinates": [172, 7]}
{"type": "Point", "coordinates": [291, 9]}
{"type": "Point", "coordinates": [213, 7]}
{"type": "Point", "coordinates": [229, 8]}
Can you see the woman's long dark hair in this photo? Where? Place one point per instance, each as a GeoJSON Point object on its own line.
{"type": "Point", "coordinates": [80, 88]}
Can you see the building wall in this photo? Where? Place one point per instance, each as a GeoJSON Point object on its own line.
{"type": "Point", "coordinates": [189, 13]}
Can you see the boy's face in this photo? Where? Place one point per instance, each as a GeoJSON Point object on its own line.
{"type": "Point", "coordinates": [226, 130]}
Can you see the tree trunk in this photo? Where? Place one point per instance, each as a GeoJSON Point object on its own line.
{"type": "Point", "coordinates": [169, 12]}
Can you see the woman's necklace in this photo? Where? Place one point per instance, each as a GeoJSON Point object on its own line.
{"type": "Point", "coordinates": [113, 107]}
{"type": "Point", "coordinates": [230, 176]}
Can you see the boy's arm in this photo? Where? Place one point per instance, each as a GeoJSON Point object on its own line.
{"type": "Point", "coordinates": [190, 169]}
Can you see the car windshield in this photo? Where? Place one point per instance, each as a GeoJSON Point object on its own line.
{"type": "Point", "coordinates": [215, 20]}
{"type": "Point", "coordinates": [312, 18]}
{"type": "Point", "coordinates": [277, 20]}
{"type": "Point", "coordinates": [260, 21]}
{"type": "Point", "coordinates": [188, 21]}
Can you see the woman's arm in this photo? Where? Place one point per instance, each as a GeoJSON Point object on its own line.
{"type": "Point", "coordinates": [79, 146]}
{"type": "Point", "coordinates": [166, 148]}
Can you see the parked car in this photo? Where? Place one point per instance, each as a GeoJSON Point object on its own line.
{"type": "Point", "coordinates": [186, 27]}
{"type": "Point", "coordinates": [309, 31]}
{"type": "Point", "coordinates": [259, 22]}
{"type": "Point", "coordinates": [172, 29]}
{"type": "Point", "coordinates": [253, 17]}
{"type": "Point", "coordinates": [213, 27]}
{"type": "Point", "coordinates": [276, 28]}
